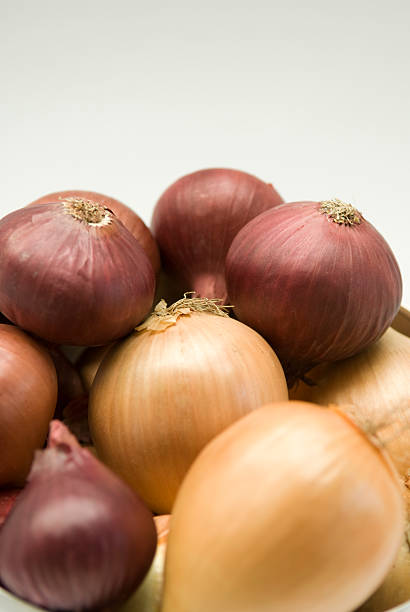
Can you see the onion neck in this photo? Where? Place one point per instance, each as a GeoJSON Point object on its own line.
{"type": "Point", "coordinates": [210, 285]}
{"type": "Point", "coordinates": [340, 212]}
{"type": "Point", "coordinates": [87, 211]}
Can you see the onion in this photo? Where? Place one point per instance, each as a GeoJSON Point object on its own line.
{"type": "Point", "coordinates": [84, 538]}
{"type": "Point", "coordinates": [88, 284]}
{"type": "Point", "coordinates": [196, 219]}
{"type": "Point", "coordinates": [291, 508]}
{"type": "Point", "coordinates": [315, 279]}
{"type": "Point", "coordinates": [89, 362]}
{"type": "Point", "coordinates": [161, 394]}
{"type": "Point", "coordinates": [126, 215]}
{"type": "Point", "coordinates": [148, 596]}
{"type": "Point", "coordinates": [28, 396]}
{"type": "Point", "coordinates": [373, 388]}
{"type": "Point", "coordinates": [75, 417]}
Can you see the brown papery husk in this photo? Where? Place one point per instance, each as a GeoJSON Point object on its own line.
{"type": "Point", "coordinates": [373, 388]}
{"type": "Point", "coordinates": [162, 393]}
{"type": "Point", "coordinates": [291, 508]}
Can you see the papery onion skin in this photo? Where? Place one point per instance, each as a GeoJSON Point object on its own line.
{"type": "Point", "coordinates": [125, 214]}
{"type": "Point", "coordinates": [159, 397]}
{"type": "Point", "coordinates": [196, 219]}
{"type": "Point", "coordinates": [291, 508]}
{"type": "Point", "coordinates": [85, 540]}
{"type": "Point", "coordinates": [373, 388]}
{"type": "Point", "coordinates": [317, 290]}
{"type": "Point", "coordinates": [28, 396]}
{"type": "Point", "coordinates": [69, 281]}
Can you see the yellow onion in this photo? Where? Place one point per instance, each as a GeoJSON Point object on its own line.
{"type": "Point", "coordinates": [162, 393]}
{"type": "Point", "coordinates": [291, 508]}
{"type": "Point", "coordinates": [374, 389]}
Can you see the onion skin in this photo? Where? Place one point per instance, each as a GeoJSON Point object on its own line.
{"type": "Point", "coordinates": [28, 384]}
{"type": "Point", "coordinates": [316, 290]}
{"type": "Point", "coordinates": [291, 508]}
{"type": "Point", "coordinates": [159, 397]}
{"type": "Point", "coordinates": [373, 388]}
{"type": "Point", "coordinates": [85, 539]}
{"type": "Point", "coordinates": [95, 285]}
{"type": "Point", "coordinates": [196, 219]}
{"type": "Point", "coordinates": [125, 214]}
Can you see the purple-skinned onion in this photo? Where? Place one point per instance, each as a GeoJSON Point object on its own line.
{"type": "Point", "coordinates": [315, 279]}
{"type": "Point", "coordinates": [196, 219]}
{"type": "Point", "coordinates": [71, 273]}
{"type": "Point", "coordinates": [77, 537]}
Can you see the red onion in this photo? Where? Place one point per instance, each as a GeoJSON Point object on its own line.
{"type": "Point", "coordinates": [315, 279]}
{"type": "Point", "coordinates": [71, 273]}
{"type": "Point", "coordinates": [196, 219]}
{"type": "Point", "coordinates": [28, 394]}
{"type": "Point", "coordinates": [77, 537]}
{"type": "Point", "coordinates": [125, 214]}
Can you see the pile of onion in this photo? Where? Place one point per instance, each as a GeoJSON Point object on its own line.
{"type": "Point", "coordinates": [290, 508]}
{"type": "Point", "coordinates": [88, 284]}
{"type": "Point", "coordinates": [196, 219]}
{"type": "Point", "coordinates": [162, 393]}
{"type": "Point", "coordinates": [315, 279]}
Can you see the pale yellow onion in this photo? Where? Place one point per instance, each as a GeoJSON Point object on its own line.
{"type": "Point", "coordinates": [375, 388]}
{"type": "Point", "coordinates": [148, 597]}
{"type": "Point", "coordinates": [291, 508]}
{"type": "Point", "coordinates": [89, 362]}
{"type": "Point", "coordinates": [160, 396]}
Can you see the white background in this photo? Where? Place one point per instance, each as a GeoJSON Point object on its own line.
{"type": "Point", "coordinates": [125, 97]}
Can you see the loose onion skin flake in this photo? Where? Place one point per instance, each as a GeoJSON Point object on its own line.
{"type": "Point", "coordinates": [290, 508]}
{"type": "Point", "coordinates": [315, 279]}
{"type": "Point", "coordinates": [196, 219]}
{"type": "Point", "coordinates": [162, 393]}
{"type": "Point", "coordinates": [85, 540]}
{"type": "Point", "coordinates": [125, 214]}
{"type": "Point", "coordinates": [88, 284]}
{"type": "Point", "coordinates": [28, 396]}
